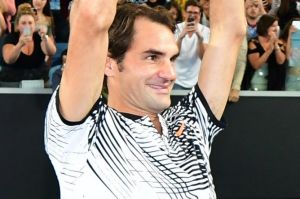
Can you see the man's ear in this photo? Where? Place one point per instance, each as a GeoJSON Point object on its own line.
{"type": "Point", "coordinates": [110, 66]}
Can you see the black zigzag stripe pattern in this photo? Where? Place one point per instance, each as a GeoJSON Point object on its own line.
{"type": "Point", "coordinates": [110, 155]}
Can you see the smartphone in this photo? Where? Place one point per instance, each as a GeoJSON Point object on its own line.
{"type": "Point", "coordinates": [27, 31]}
{"type": "Point", "coordinates": [190, 19]}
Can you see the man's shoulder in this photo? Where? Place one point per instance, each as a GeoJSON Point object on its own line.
{"type": "Point", "coordinates": [179, 26]}
{"type": "Point", "coordinates": [180, 23]}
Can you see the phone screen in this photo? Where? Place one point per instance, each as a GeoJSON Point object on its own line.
{"type": "Point", "coordinates": [27, 31]}
{"type": "Point", "coordinates": [296, 24]}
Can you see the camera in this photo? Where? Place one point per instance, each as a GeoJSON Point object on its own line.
{"type": "Point", "coordinates": [191, 18]}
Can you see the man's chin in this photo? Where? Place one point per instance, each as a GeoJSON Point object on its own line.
{"type": "Point", "coordinates": [162, 105]}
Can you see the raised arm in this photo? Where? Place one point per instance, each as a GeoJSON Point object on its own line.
{"type": "Point", "coordinates": [228, 27]}
{"type": "Point", "coordinates": [83, 75]}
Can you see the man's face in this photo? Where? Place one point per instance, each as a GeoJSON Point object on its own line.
{"type": "Point", "coordinates": [174, 13]}
{"type": "Point", "coordinates": [252, 9]}
{"type": "Point", "coordinates": [205, 5]}
{"type": "Point", "coordinates": [148, 74]}
{"type": "Point", "coordinates": [192, 11]}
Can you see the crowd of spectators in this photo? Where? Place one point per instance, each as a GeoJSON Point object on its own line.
{"type": "Point", "coordinates": [269, 57]}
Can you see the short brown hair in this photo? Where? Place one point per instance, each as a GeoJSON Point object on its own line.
{"type": "Point", "coordinates": [264, 23]}
{"type": "Point", "coordinates": [121, 31]}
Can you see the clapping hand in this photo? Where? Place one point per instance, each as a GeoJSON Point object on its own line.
{"type": "Point", "coordinates": [42, 31]}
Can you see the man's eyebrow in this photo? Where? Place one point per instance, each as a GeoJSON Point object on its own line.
{"type": "Point", "coordinates": [175, 56]}
{"type": "Point", "coordinates": [154, 52]}
{"type": "Point", "coordinates": [157, 52]}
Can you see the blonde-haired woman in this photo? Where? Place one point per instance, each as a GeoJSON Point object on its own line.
{"type": "Point", "coordinates": [24, 50]}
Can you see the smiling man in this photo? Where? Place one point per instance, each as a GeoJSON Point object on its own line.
{"type": "Point", "coordinates": [136, 145]}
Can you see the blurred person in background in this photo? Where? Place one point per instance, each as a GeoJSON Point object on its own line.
{"type": "Point", "coordinates": [205, 12]}
{"type": "Point", "coordinates": [238, 76]}
{"type": "Point", "coordinates": [253, 9]}
{"type": "Point", "coordinates": [55, 73]}
{"type": "Point", "coordinates": [44, 20]}
{"type": "Point", "coordinates": [24, 51]}
{"type": "Point", "coordinates": [291, 37]}
{"type": "Point", "coordinates": [43, 16]}
{"type": "Point", "coordinates": [266, 59]}
{"type": "Point", "coordinates": [288, 10]}
{"type": "Point", "coordinates": [154, 3]}
{"type": "Point", "coordinates": [192, 39]}
{"type": "Point", "coordinates": [175, 11]}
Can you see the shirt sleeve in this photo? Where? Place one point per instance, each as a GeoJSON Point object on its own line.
{"type": "Point", "coordinates": [64, 139]}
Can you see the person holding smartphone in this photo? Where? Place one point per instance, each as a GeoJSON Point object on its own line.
{"type": "Point", "coordinates": [192, 38]}
{"type": "Point", "coordinates": [24, 50]}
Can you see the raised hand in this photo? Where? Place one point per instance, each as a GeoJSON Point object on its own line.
{"type": "Point", "coordinates": [95, 14]}
{"type": "Point", "coordinates": [83, 75]}
{"type": "Point", "coordinates": [42, 30]}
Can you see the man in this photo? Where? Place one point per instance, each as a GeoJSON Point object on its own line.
{"type": "Point", "coordinates": [136, 146]}
{"type": "Point", "coordinates": [254, 9]}
{"type": "Point", "coordinates": [192, 39]}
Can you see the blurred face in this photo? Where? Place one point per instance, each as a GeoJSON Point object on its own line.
{"type": "Point", "coordinates": [39, 4]}
{"type": "Point", "coordinates": [193, 11]}
{"type": "Point", "coordinates": [174, 13]}
{"type": "Point", "coordinates": [252, 9]}
{"type": "Point", "coordinates": [205, 6]}
{"type": "Point", "coordinates": [145, 82]}
{"type": "Point", "coordinates": [26, 21]}
{"type": "Point", "coordinates": [273, 30]}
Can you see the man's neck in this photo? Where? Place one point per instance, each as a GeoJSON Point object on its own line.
{"type": "Point", "coordinates": [251, 21]}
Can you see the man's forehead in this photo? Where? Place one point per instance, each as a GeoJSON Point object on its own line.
{"type": "Point", "coordinates": [252, 2]}
{"type": "Point", "coordinates": [192, 7]}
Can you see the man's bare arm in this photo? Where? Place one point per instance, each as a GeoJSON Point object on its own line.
{"type": "Point", "coordinates": [83, 75]}
{"type": "Point", "coordinates": [228, 27]}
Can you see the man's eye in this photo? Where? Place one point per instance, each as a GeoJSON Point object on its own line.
{"type": "Point", "coordinates": [152, 57]}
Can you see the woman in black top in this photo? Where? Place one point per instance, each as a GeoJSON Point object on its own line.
{"type": "Point", "coordinates": [24, 51]}
{"type": "Point", "coordinates": [266, 59]}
